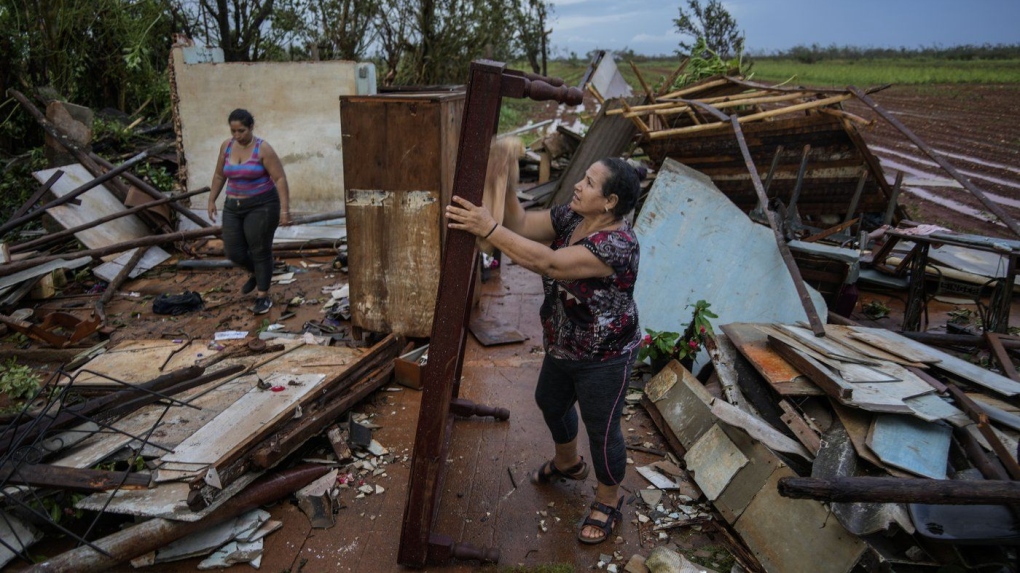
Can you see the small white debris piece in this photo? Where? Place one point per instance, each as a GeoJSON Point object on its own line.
{"type": "Point", "coordinates": [642, 518]}
{"type": "Point", "coordinates": [611, 568]}
{"type": "Point", "coordinates": [366, 489]}
{"type": "Point", "coordinates": [232, 553]}
{"type": "Point", "coordinates": [379, 489]}
{"type": "Point", "coordinates": [376, 449]}
{"type": "Point", "coordinates": [663, 536]}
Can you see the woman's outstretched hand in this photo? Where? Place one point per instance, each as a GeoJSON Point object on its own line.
{"type": "Point", "coordinates": [466, 216]}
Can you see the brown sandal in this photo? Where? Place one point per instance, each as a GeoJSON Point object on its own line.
{"type": "Point", "coordinates": [614, 515]}
{"type": "Point", "coordinates": [549, 471]}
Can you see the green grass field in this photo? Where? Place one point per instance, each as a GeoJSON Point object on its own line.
{"type": "Point", "coordinates": [833, 72]}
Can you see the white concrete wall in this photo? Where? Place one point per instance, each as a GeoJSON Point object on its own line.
{"type": "Point", "coordinates": [296, 108]}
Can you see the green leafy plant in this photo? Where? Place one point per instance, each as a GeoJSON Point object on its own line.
{"type": "Point", "coordinates": [664, 345]}
{"type": "Point", "coordinates": [18, 382]}
{"type": "Point", "coordinates": [875, 310]}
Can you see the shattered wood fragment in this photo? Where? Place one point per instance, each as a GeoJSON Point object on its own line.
{"type": "Point", "coordinates": [795, 421]}
{"type": "Point", "coordinates": [74, 479]}
{"type": "Point", "coordinates": [155, 533]}
{"type": "Point", "coordinates": [338, 439]}
{"type": "Point", "coordinates": [115, 284]}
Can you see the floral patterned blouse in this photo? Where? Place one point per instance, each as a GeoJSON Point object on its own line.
{"type": "Point", "coordinates": [592, 319]}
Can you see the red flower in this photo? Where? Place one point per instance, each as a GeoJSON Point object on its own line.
{"type": "Point", "coordinates": [693, 344]}
{"type": "Point", "coordinates": [647, 339]}
{"type": "Point", "coordinates": [702, 330]}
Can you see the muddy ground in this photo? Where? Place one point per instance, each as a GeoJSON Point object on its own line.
{"type": "Point", "coordinates": [975, 128]}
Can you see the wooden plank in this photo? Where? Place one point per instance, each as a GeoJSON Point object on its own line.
{"type": "Point", "coordinates": [825, 346]}
{"type": "Point", "coordinates": [911, 444]}
{"type": "Point", "coordinates": [758, 429]}
{"type": "Point", "coordinates": [911, 349]}
{"type": "Point", "coordinates": [1002, 357]}
{"type": "Point", "coordinates": [819, 374]}
{"type": "Point", "coordinates": [780, 374]}
{"type": "Point", "coordinates": [807, 436]}
{"type": "Point", "coordinates": [95, 203]}
{"type": "Point", "coordinates": [843, 334]}
{"type": "Point", "coordinates": [607, 137]}
{"type": "Point", "coordinates": [246, 420]}
{"type": "Point", "coordinates": [896, 344]}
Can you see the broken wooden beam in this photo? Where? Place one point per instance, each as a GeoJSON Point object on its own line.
{"type": "Point", "coordinates": [71, 195]}
{"type": "Point", "coordinates": [51, 237]}
{"type": "Point", "coordinates": [38, 195]}
{"type": "Point", "coordinates": [74, 479]}
{"type": "Point", "coordinates": [979, 417]}
{"type": "Point", "coordinates": [941, 339]}
{"type": "Point", "coordinates": [150, 535]}
{"type": "Point", "coordinates": [151, 191]}
{"type": "Point", "coordinates": [118, 280]}
{"type": "Point", "coordinates": [901, 490]}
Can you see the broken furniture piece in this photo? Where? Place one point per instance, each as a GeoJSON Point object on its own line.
{"type": "Point", "coordinates": [914, 266]}
{"type": "Point", "coordinates": [58, 329]}
{"type": "Point", "coordinates": [419, 545]}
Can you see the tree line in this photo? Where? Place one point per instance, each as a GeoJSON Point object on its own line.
{"type": "Point", "coordinates": [115, 53]}
{"type": "Point", "coordinates": [817, 53]}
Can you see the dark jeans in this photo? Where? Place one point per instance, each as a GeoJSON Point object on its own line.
{"type": "Point", "coordinates": [598, 388]}
{"type": "Point", "coordinates": [248, 228]}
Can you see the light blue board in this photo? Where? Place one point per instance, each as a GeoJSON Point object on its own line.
{"type": "Point", "coordinates": [697, 245]}
{"type": "Point", "coordinates": [911, 444]}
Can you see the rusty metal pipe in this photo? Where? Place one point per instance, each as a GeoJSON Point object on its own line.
{"type": "Point", "coordinates": [155, 533]}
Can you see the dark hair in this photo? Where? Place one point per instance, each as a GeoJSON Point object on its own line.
{"type": "Point", "coordinates": [243, 116]}
{"type": "Point", "coordinates": [624, 181]}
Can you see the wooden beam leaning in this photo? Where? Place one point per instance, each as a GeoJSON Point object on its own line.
{"type": "Point", "coordinates": [992, 206]}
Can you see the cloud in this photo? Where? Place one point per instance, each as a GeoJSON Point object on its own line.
{"type": "Point", "coordinates": [669, 36]}
{"type": "Point", "coordinates": [565, 23]}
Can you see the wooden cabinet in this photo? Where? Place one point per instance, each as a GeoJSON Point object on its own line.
{"type": "Point", "coordinates": [400, 153]}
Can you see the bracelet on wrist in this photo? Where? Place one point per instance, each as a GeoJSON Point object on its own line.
{"type": "Point", "coordinates": [491, 231]}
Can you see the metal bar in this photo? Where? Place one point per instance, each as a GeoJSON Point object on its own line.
{"type": "Point", "coordinates": [991, 205]}
{"type": "Point", "coordinates": [1001, 356]}
{"type": "Point", "coordinates": [772, 172]}
{"type": "Point", "coordinates": [791, 211]}
{"type": "Point", "coordinates": [966, 404]}
{"type": "Point", "coordinates": [784, 250]}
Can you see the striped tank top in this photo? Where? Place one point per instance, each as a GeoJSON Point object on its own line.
{"type": "Point", "coordinates": [249, 178]}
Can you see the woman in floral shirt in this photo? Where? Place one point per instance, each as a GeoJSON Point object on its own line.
{"type": "Point", "coordinates": [587, 254]}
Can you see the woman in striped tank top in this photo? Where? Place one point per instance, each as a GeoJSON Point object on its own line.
{"type": "Point", "coordinates": [257, 202]}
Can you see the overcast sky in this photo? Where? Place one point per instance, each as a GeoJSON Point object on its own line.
{"type": "Point", "coordinates": [646, 26]}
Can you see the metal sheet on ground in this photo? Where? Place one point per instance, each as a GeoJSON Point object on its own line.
{"type": "Point", "coordinates": [911, 444]}
{"type": "Point", "coordinates": [167, 500]}
{"type": "Point", "coordinates": [685, 209]}
{"type": "Point", "coordinates": [153, 257]}
{"type": "Point", "coordinates": [493, 332]}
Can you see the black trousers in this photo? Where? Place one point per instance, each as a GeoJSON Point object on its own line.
{"type": "Point", "coordinates": [248, 228]}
